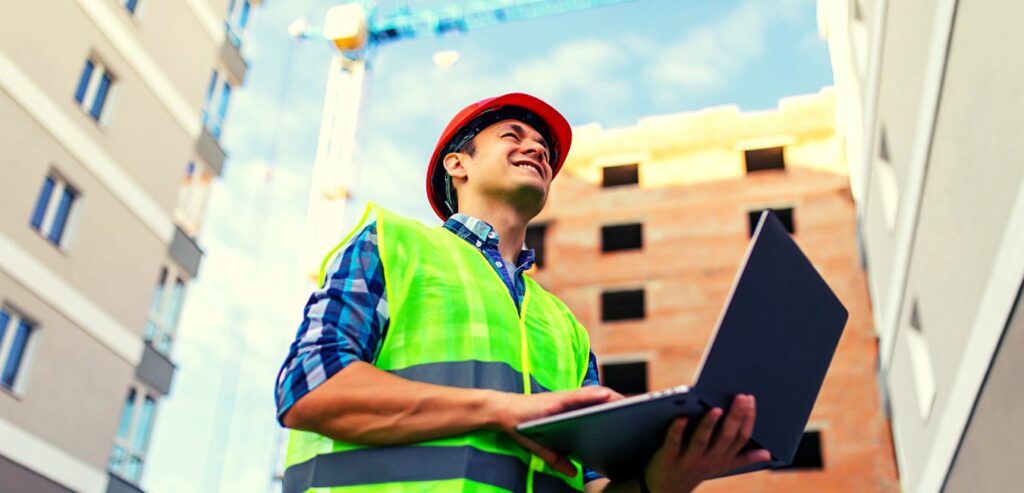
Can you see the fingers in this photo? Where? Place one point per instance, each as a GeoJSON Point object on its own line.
{"type": "Point", "coordinates": [586, 396]}
{"type": "Point", "coordinates": [615, 396]}
{"type": "Point", "coordinates": [674, 436]}
{"type": "Point", "coordinates": [702, 435]}
{"type": "Point", "coordinates": [746, 429]}
{"type": "Point", "coordinates": [560, 463]}
{"type": "Point", "coordinates": [750, 457]}
{"type": "Point", "coordinates": [727, 435]}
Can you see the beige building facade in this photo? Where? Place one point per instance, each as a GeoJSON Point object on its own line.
{"type": "Point", "coordinates": [642, 237]}
{"type": "Point", "coordinates": [933, 110]}
{"type": "Point", "coordinates": [112, 114]}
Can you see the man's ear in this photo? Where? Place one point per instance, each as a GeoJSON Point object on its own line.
{"type": "Point", "coordinates": [455, 164]}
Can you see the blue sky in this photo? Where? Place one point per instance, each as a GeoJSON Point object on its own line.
{"type": "Point", "coordinates": [611, 65]}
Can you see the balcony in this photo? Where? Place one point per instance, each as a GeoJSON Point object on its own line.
{"type": "Point", "coordinates": [156, 369]}
{"type": "Point", "coordinates": [209, 150]}
{"type": "Point", "coordinates": [118, 485]}
{"type": "Point", "coordinates": [185, 252]}
{"type": "Point", "coordinates": [231, 57]}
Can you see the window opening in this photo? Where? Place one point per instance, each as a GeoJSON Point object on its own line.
{"type": "Point", "coordinates": [808, 453]}
{"type": "Point", "coordinates": [785, 216]}
{"type": "Point", "coordinates": [765, 159]}
{"type": "Point", "coordinates": [621, 237]}
{"type": "Point", "coordinates": [625, 378]}
{"type": "Point", "coordinates": [535, 234]}
{"type": "Point", "coordinates": [622, 305]}
{"type": "Point", "coordinates": [616, 176]}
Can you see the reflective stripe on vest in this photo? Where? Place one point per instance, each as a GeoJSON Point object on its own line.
{"type": "Point", "coordinates": [415, 463]}
{"type": "Point", "coordinates": [493, 375]}
{"type": "Point", "coordinates": [454, 323]}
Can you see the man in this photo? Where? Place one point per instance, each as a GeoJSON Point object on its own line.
{"type": "Point", "coordinates": [432, 342]}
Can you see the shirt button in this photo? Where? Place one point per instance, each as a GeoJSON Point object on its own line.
{"type": "Point", "coordinates": [498, 264]}
{"type": "Point", "coordinates": [479, 244]}
{"type": "Point", "coordinates": [491, 235]}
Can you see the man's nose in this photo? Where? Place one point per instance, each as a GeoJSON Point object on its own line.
{"type": "Point", "coordinates": [532, 147]}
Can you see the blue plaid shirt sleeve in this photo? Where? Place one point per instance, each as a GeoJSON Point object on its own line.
{"type": "Point", "coordinates": [591, 378]}
{"type": "Point", "coordinates": [343, 321]}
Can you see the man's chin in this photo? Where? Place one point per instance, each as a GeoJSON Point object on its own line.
{"type": "Point", "coordinates": [529, 198]}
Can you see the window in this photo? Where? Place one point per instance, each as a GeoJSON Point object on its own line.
{"type": "Point", "coordinates": [785, 215]}
{"type": "Point", "coordinates": [216, 107]}
{"type": "Point", "coordinates": [162, 322]}
{"type": "Point", "coordinates": [887, 182]}
{"type": "Point", "coordinates": [131, 5]}
{"type": "Point", "coordinates": [625, 378]}
{"type": "Point", "coordinates": [132, 439]}
{"type": "Point", "coordinates": [54, 209]}
{"type": "Point", "coordinates": [883, 144]}
{"type": "Point", "coordinates": [192, 198]}
{"type": "Point", "coordinates": [94, 88]}
{"type": "Point", "coordinates": [808, 453]}
{"type": "Point", "coordinates": [614, 176]}
{"type": "Point", "coordinates": [237, 20]}
{"type": "Point", "coordinates": [622, 305]}
{"type": "Point", "coordinates": [764, 159]}
{"type": "Point", "coordinates": [15, 335]}
{"type": "Point", "coordinates": [921, 364]}
{"type": "Point", "coordinates": [535, 240]}
{"type": "Point", "coordinates": [621, 237]}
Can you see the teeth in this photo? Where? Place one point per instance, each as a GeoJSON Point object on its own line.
{"type": "Point", "coordinates": [528, 166]}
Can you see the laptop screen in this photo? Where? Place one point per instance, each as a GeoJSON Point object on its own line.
{"type": "Point", "coordinates": [775, 338]}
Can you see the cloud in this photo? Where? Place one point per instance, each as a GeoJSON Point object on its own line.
{"type": "Point", "coordinates": [708, 56]}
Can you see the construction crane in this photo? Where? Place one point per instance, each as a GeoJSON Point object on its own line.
{"type": "Point", "coordinates": [356, 30]}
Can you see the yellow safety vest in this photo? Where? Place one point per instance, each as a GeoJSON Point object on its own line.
{"type": "Point", "coordinates": [452, 322]}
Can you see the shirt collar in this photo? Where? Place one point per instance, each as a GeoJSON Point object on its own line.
{"type": "Point", "coordinates": [479, 231]}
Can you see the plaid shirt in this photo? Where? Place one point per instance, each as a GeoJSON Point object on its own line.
{"type": "Point", "coordinates": [346, 319]}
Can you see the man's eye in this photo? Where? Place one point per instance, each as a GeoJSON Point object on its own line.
{"type": "Point", "coordinates": [510, 134]}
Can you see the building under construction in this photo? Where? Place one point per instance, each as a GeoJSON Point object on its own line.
{"type": "Point", "coordinates": [646, 227]}
{"type": "Point", "coordinates": [111, 138]}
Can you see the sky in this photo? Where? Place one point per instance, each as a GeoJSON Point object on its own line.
{"type": "Point", "coordinates": [611, 65]}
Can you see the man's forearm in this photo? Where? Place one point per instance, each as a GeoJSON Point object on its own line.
{"type": "Point", "coordinates": [363, 404]}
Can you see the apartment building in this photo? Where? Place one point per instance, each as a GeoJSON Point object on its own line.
{"type": "Point", "coordinates": [112, 114]}
{"type": "Point", "coordinates": [932, 111]}
{"type": "Point", "coordinates": [642, 237]}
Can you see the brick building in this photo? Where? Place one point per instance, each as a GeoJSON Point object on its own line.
{"type": "Point", "coordinates": [645, 229]}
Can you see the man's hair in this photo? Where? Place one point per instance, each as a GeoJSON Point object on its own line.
{"type": "Point", "coordinates": [468, 148]}
{"type": "Point", "coordinates": [452, 195]}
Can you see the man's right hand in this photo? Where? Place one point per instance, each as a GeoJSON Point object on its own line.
{"type": "Point", "coordinates": [512, 409]}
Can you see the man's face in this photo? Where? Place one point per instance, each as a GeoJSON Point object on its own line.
{"type": "Point", "coordinates": [511, 161]}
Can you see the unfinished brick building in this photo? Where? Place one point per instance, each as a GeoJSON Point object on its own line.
{"type": "Point", "coordinates": [646, 227]}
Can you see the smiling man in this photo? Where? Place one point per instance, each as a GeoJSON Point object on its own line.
{"type": "Point", "coordinates": [425, 347]}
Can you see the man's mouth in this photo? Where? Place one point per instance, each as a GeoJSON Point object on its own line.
{"type": "Point", "coordinates": [531, 165]}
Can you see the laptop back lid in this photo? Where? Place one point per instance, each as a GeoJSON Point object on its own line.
{"type": "Point", "coordinates": [774, 340]}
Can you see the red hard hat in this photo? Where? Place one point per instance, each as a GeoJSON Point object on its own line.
{"type": "Point", "coordinates": [477, 116]}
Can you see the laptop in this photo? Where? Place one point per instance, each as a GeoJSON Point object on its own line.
{"type": "Point", "coordinates": [774, 340]}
